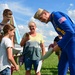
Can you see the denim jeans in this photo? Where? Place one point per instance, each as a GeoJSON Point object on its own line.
{"type": "Point", "coordinates": [28, 63]}
{"type": "Point", "coordinates": [6, 71]}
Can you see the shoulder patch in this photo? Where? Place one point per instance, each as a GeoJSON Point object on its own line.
{"type": "Point", "coordinates": [62, 19]}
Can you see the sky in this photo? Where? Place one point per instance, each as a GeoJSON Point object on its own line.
{"type": "Point", "coordinates": [24, 10]}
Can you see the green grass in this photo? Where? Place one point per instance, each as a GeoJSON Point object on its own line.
{"type": "Point", "coordinates": [49, 67]}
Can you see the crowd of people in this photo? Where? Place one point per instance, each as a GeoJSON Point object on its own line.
{"type": "Point", "coordinates": [33, 43]}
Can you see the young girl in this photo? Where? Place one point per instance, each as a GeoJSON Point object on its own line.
{"type": "Point", "coordinates": [6, 55]}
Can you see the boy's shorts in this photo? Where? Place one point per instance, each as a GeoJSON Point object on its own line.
{"type": "Point", "coordinates": [28, 64]}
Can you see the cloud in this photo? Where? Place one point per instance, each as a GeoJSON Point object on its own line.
{"type": "Point", "coordinates": [2, 7]}
{"type": "Point", "coordinates": [71, 4]}
{"type": "Point", "coordinates": [52, 33]}
{"type": "Point", "coordinates": [23, 29]}
{"type": "Point", "coordinates": [18, 8]}
{"type": "Point", "coordinates": [71, 13]}
{"type": "Point", "coordinates": [71, 7]}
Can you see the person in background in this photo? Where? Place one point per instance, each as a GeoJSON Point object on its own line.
{"type": "Point", "coordinates": [56, 39]}
{"type": "Point", "coordinates": [7, 18]}
{"type": "Point", "coordinates": [6, 54]}
{"type": "Point", "coordinates": [65, 27]}
{"type": "Point", "coordinates": [33, 44]}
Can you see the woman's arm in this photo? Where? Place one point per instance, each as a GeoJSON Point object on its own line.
{"type": "Point", "coordinates": [24, 39]}
{"type": "Point", "coordinates": [43, 49]}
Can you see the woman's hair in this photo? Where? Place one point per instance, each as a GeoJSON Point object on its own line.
{"type": "Point", "coordinates": [30, 23]}
{"type": "Point", "coordinates": [8, 27]}
{"type": "Point", "coordinates": [5, 12]}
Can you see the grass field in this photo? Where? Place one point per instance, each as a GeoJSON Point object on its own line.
{"type": "Point", "coordinates": [49, 67]}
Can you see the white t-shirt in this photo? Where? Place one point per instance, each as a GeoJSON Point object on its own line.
{"type": "Point", "coordinates": [4, 62]}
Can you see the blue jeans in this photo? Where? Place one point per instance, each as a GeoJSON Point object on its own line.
{"type": "Point", "coordinates": [6, 71]}
{"type": "Point", "coordinates": [28, 64]}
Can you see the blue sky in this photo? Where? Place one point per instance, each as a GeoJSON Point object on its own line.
{"type": "Point", "coordinates": [23, 11]}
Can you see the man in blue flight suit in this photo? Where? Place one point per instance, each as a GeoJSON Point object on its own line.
{"type": "Point", "coordinates": [66, 28]}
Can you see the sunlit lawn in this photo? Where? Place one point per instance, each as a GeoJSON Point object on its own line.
{"type": "Point", "coordinates": [49, 67]}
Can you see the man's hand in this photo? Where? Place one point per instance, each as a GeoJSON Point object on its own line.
{"type": "Point", "coordinates": [11, 20]}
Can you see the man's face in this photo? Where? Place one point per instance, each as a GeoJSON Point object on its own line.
{"type": "Point", "coordinates": [43, 18]}
{"type": "Point", "coordinates": [8, 16]}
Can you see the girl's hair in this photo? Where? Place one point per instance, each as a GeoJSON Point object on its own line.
{"type": "Point", "coordinates": [5, 12]}
{"type": "Point", "coordinates": [8, 27]}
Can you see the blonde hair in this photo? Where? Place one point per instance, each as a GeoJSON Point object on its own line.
{"type": "Point", "coordinates": [29, 24]}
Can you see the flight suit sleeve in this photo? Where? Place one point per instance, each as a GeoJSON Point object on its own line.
{"type": "Point", "coordinates": [67, 26]}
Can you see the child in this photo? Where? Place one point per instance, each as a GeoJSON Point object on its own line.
{"type": "Point", "coordinates": [6, 55]}
{"type": "Point", "coordinates": [56, 39]}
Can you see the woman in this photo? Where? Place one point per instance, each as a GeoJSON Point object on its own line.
{"type": "Point", "coordinates": [33, 43]}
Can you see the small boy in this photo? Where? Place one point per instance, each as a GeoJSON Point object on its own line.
{"type": "Point", "coordinates": [6, 54]}
{"type": "Point", "coordinates": [56, 39]}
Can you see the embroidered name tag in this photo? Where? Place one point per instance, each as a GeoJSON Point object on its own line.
{"type": "Point", "coordinates": [60, 30]}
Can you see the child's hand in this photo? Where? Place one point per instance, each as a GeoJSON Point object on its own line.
{"type": "Point", "coordinates": [17, 67]}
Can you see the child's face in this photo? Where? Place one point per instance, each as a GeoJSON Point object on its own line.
{"type": "Point", "coordinates": [11, 33]}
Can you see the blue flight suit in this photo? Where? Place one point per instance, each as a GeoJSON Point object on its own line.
{"type": "Point", "coordinates": [66, 28]}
